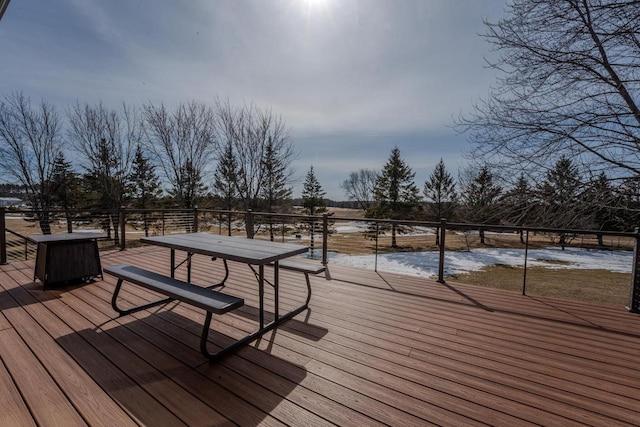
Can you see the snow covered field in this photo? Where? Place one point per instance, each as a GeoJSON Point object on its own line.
{"type": "Point", "coordinates": [425, 264]}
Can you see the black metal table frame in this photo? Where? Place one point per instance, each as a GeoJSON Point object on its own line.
{"type": "Point", "coordinates": [260, 276]}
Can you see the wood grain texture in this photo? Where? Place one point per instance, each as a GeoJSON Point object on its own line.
{"type": "Point", "coordinates": [374, 349]}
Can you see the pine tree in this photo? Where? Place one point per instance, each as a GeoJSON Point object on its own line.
{"type": "Point", "coordinates": [481, 196]}
{"type": "Point", "coordinates": [106, 181]}
{"type": "Point", "coordinates": [395, 193]}
{"type": "Point", "coordinates": [189, 187]}
{"type": "Point", "coordinates": [144, 185]}
{"type": "Point", "coordinates": [313, 202]}
{"type": "Point", "coordinates": [65, 187]}
{"type": "Point", "coordinates": [440, 191]}
{"type": "Point", "coordinates": [629, 195]}
{"type": "Point", "coordinates": [225, 180]}
{"type": "Point", "coordinates": [602, 202]}
{"type": "Point", "coordinates": [275, 192]}
{"type": "Point", "coordinates": [560, 198]}
{"type": "Point", "coordinates": [518, 204]}
{"type": "Point", "coordinates": [313, 195]}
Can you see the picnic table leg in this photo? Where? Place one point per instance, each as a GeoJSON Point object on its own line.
{"type": "Point", "coordinates": [224, 279]}
{"type": "Point", "coordinates": [261, 292]}
{"type": "Point", "coordinates": [123, 312]}
{"type": "Point", "coordinates": [174, 267]}
{"type": "Point", "coordinates": [276, 284]}
{"type": "Point", "coordinates": [172, 263]}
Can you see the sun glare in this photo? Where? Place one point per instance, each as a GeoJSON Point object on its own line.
{"type": "Point", "coordinates": [316, 4]}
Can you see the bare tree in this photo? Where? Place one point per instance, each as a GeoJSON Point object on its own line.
{"type": "Point", "coordinates": [251, 131]}
{"type": "Point", "coordinates": [569, 85]}
{"type": "Point", "coordinates": [31, 142]}
{"type": "Point", "coordinates": [183, 142]}
{"type": "Point", "coordinates": [106, 140]}
{"type": "Point", "coordinates": [359, 187]}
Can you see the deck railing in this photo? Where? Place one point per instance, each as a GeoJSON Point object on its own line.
{"type": "Point", "coordinates": [124, 227]}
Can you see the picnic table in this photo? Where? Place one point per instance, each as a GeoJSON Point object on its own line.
{"type": "Point", "coordinates": [253, 252]}
{"type": "Point", "coordinates": [234, 248]}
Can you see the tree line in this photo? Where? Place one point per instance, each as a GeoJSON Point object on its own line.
{"type": "Point", "coordinates": [563, 116]}
{"type": "Point", "coordinates": [556, 142]}
{"type": "Point", "coordinates": [240, 157]}
{"type": "Point", "coordinates": [561, 199]}
{"type": "Point", "coordinates": [149, 156]}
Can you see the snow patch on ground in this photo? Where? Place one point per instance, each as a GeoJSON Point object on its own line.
{"type": "Point", "coordinates": [425, 264]}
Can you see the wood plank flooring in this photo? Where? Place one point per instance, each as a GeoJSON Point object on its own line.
{"type": "Point", "coordinates": [373, 349]}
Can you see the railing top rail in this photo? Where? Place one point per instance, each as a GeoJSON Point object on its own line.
{"type": "Point", "coordinates": [463, 226]}
{"type": "Point", "coordinates": [269, 214]}
{"type": "Point", "coordinates": [16, 234]}
{"type": "Point", "coordinates": [449, 225]}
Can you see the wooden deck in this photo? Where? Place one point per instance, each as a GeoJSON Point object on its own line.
{"type": "Point", "coordinates": [372, 350]}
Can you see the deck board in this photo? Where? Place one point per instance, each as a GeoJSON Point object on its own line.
{"type": "Point", "coordinates": [374, 349]}
{"type": "Point", "coordinates": [46, 400]}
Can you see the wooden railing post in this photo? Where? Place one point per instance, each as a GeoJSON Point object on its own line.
{"type": "Point", "coordinates": [3, 236]}
{"type": "Point", "coordinates": [123, 223]}
{"type": "Point", "coordinates": [249, 223]}
{"type": "Point", "coordinates": [443, 232]}
{"type": "Point", "coordinates": [325, 237]}
{"type": "Point", "coordinates": [195, 219]}
{"type": "Point", "coordinates": [375, 266]}
{"type": "Point", "coordinates": [634, 294]}
{"type": "Point", "coordinates": [526, 255]}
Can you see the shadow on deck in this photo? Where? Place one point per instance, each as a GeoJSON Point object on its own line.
{"type": "Point", "coordinates": [373, 349]}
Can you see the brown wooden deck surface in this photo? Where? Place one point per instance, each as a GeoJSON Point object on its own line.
{"type": "Point", "coordinates": [372, 350]}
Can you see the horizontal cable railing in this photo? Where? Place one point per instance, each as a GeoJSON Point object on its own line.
{"type": "Point", "coordinates": [326, 236]}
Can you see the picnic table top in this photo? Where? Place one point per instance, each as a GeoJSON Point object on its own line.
{"type": "Point", "coordinates": [234, 248]}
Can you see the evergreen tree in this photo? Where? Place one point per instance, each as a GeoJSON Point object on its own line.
{"type": "Point", "coordinates": [395, 193]}
{"type": "Point", "coordinates": [189, 186]}
{"type": "Point", "coordinates": [225, 180]}
{"type": "Point", "coordinates": [313, 195]}
{"type": "Point", "coordinates": [518, 204]}
{"type": "Point", "coordinates": [313, 201]}
{"type": "Point", "coordinates": [440, 192]}
{"type": "Point", "coordinates": [106, 180]}
{"type": "Point", "coordinates": [629, 212]}
{"type": "Point", "coordinates": [144, 185]}
{"type": "Point", "coordinates": [481, 196]}
{"type": "Point", "coordinates": [560, 202]}
{"type": "Point", "coordinates": [65, 187]}
{"type": "Point", "coordinates": [275, 192]}
{"type": "Point", "coordinates": [602, 203]}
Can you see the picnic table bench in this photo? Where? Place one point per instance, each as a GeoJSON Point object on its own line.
{"type": "Point", "coordinates": [303, 267]}
{"type": "Point", "coordinates": [207, 299]}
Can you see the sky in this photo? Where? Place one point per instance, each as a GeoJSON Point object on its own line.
{"type": "Point", "coordinates": [351, 78]}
